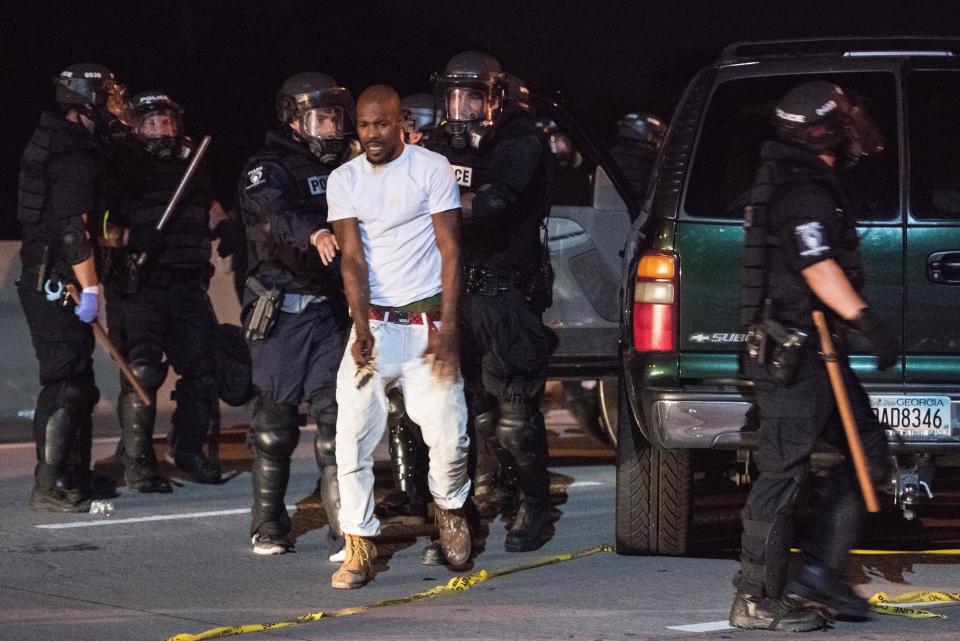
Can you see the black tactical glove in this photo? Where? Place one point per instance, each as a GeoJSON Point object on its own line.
{"type": "Point", "coordinates": [231, 235]}
{"type": "Point", "coordinates": [145, 240]}
{"type": "Point", "coordinates": [885, 346]}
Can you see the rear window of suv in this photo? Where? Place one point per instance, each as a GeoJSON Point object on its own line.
{"type": "Point", "coordinates": [737, 122]}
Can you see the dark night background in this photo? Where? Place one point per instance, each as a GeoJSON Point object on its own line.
{"type": "Point", "coordinates": [225, 60]}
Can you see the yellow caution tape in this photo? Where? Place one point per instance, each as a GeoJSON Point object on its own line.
{"type": "Point", "coordinates": [456, 584]}
{"type": "Point", "coordinates": [883, 603]}
{"type": "Point", "coordinates": [946, 552]}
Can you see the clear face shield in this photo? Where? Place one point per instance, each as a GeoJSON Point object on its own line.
{"type": "Point", "coordinates": [159, 132]}
{"type": "Point", "coordinates": [322, 123]}
{"type": "Point", "coordinates": [466, 104]}
{"type": "Point", "coordinates": [469, 113]}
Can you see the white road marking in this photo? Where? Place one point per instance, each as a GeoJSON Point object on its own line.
{"type": "Point", "coordinates": [145, 519]}
{"type": "Point", "coordinates": [710, 626]}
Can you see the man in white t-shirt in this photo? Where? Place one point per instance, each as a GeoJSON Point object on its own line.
{"type": "Point", "coordinates": [395, 212]}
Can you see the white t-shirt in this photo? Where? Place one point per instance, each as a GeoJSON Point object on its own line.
{"type": "Point", "coordinates": [393, 203]}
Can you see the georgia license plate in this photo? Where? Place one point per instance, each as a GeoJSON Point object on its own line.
{"type": "Point", "coordinates": [923, 416]}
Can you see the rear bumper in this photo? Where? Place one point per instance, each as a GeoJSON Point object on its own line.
{"type": "Point", "coordinates": [709, 420]}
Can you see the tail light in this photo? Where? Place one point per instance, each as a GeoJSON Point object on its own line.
{"type": "Point", "coordinates": [654, 302]}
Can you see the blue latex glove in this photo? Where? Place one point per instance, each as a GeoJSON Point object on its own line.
{"type": "Point", "coordinates": [87, 309]}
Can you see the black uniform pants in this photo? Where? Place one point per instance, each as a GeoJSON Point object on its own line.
{"type": "Point", "coordinates": [177, 321]}
{"type": "Point", "coordinates": [504, 350]}
{"type": "Point", "coordinates": [298, 361]}
{"type": "Point", "coordinates": [792, 419]}
{"type": "Point", "coordinates": [64, 348]}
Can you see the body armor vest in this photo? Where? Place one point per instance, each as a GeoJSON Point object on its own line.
{"type": "Point", "coordinates": [54, 136]}
{"type": "Point", "coordinates": [292, 269]}
{"type": "Point", "coordinates": [509, 244]}
{"type": "Point", "coordinates": [186, 234]}
{"type": "Point", "coordinates": [764, 264]}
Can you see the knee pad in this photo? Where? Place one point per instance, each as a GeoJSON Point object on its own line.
{"type": "Point", "coordinates": [276, 432]}
{"type": "Point", "coordinates": [78, 397]}
{"type": "Point", "coordinates": [396, 408]}
{"type": "Point", "coordinates": [325, 447]}
{"type": "Point", "coordinates": [150, 374]}
{"type": "Point", "coordinates": [517, 430]}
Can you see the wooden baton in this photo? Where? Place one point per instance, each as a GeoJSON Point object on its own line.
{"type": "Point", "coordinates": [846, 415]}
{"type": "Point", "coordinates": [115, 354]}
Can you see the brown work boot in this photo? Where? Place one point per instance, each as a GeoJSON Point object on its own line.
{"type": "Point", "coordinates": [357, 568]}
{"type": "Point", "coordinates": [456, 536]}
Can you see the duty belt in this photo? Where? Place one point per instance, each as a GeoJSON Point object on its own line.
{"type": "Point", "coordinates": [405, 318]}
{"type": "Point", "coordinates": [489, 283]}
{"type": "Point", "coordinates": [164, 278]}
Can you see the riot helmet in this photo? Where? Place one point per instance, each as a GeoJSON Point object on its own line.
{"type": "Point", "coordinates": [418, 113]}
{"type": "Point", "coordinates": [643, 130]}
{"type": "Point", "coordinates": [822, 117]}
{"type": "Point", "coordinates": [158, 124]}
{"type": "Point", "coordinates": [93, 90]}
{"type": "Point", "coordinates": [471, 90]}
{"type": "Point", "coordinates": [321, 113]}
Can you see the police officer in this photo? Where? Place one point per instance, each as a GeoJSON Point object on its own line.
{"type": "Point", "coordinates": [162, 308]}
{"type": "Point", "coordinates": [295, 311]}
{"type": "Point", "coordinates": [504, 169]}
{"type": "Point", "coordinates": [801, 255]}
{"type": "Point", "coordinates": [639, 137]}
{"type": "Point", "coordinates": [58, 192]}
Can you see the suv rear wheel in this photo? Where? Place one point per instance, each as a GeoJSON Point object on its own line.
{"type": "Point", "coordinates": [654, 493]}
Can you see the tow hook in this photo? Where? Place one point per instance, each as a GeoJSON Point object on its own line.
{"type": "Point", "coordinates": [910, 491]}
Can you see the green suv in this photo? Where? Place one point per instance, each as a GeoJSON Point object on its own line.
{"type": "Point", "coordinates": [681, 389]}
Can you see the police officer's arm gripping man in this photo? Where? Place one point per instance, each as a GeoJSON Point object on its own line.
{"type": "Point", "coordinates": [268, 186]}
{"type": "Point", "coordinates": [514, 163]}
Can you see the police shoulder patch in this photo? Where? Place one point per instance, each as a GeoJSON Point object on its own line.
{"type": "Point", "coordinates": [810, 240]}
{"type": "Point", "coordinates": [254, 177]}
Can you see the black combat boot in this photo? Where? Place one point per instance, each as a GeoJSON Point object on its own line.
{"type": "Point", "coordinates": [523, 435]}
{"type": "Point", "coordinates": [191, 420]}
{"type": "Point", "coordinates": [782, 614]}
{"type": "Point", "coordinates": [135, 450]}
{"type": "Point", "coordinates": [820, 584]}
{"type": "Point", "coordinates": [52, 491]}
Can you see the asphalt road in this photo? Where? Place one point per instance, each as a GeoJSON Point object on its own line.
{"type": "Point", "coordinates": [164, 565]}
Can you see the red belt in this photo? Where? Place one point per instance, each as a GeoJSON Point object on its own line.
{"type": "Point", "coordinates": [405, 318]}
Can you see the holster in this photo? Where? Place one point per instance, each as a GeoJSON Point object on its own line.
{"type": "Point", "coordinates": [125, 273]}
{"type": "Point", "coordinates": [538, 289]}
{"type": "Point", "coordinates": [266, 309]}
{"type": "Point", "coordinates": [777, 346]}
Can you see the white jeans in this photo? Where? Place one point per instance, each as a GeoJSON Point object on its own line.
{"type": "Point", "coordinates": [437, 406]}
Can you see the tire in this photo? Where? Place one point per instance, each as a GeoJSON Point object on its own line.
{"type": "Point", "coordinates": [654, 493]}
